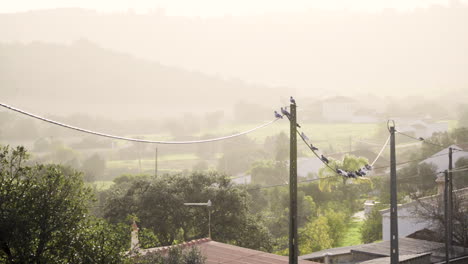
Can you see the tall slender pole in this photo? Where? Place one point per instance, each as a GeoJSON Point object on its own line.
{"type": "Point", "coordinates": [393, 201]}
{"type": "Point", "coordinates": [293, 237]}
{"type": "Point", "coordinates": [450, 200]}
{"type": "Point", "coordinates": [446, 216]}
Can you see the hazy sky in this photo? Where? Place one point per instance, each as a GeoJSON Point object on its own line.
{"type": "Point", "coordinates": [219, 7]}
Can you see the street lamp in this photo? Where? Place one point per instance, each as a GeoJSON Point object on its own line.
{"type": "Point", "coordinates": [207, 204]}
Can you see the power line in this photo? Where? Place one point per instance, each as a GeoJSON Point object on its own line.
{"type": "Point", "coordinates": [133, 139]}
{"type": "Point", "coordinates": [420, 139]}
{"type": "Point", "coordinates": [381, 151]}
{"type": "Point", "coordinates": [409, 161]}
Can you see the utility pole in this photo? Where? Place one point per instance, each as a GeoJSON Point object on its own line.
{"type": "Point", "coordinates": [394, 254]}
{"type": "Point", "coordinates": [156, 162]}
{"type": "Point", "coordinates": [293, 237]}
{"type": "Point", "coordinates": [450, 200]}
{"type": "Point", "coordinates": [446, 216]}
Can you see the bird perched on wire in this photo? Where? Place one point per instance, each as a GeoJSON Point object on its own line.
{"type": "Point", "coordinates": [312, 147]}
{"type": "Point", "coordinates": [278, 115]}
{"type": "Point", "coordinates": [342, 172]}
{"type": "Point", "coordinates": [358, 173]}
{"type": "Point", "coordinates": [291, 99]}
{"type": "Point", "coordinates": [325, 159]}
{"type": "Point", "coordinates": [362, 172]}
{"type": "Point", "coordinates": [304, 136]}
{"type": "Point", "coordinates": [368, 167]}
{"type": "Point", "coordinates": [351, 174]}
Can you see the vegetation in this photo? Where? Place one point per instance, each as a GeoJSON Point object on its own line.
{"type": "Point", "coordinates": [371, 229]}
{"type": "Point", "coordinates": [44, 216]}
{"type": "Point", "coordinates": [158, 204]}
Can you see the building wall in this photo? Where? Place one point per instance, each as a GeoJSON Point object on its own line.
{"type": "Point", "coordinates": [408, 223]}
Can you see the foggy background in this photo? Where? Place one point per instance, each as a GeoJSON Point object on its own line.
{"type": "Point", "coordinates": [177, 70]}
{"type": "Point", "coordinates": [151, 60]}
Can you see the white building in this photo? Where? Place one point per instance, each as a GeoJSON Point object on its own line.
{"type": "Point", "coordinates": [408, 219]}
{"type": "Point", "coordinates": [441, 158]}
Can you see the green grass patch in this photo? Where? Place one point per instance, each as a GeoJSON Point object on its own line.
{"type": "Point", "coordinates": [353, 233]}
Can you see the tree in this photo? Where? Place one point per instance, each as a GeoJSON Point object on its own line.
{"type": "Point", "coordinates": [371, 229]}
{"type": "Point", "coordinates": [460, 179]}
{"type": "Point", "coordinates": [43, 214]}
{"type": "Point", "coordinates": [268, 172]}
{"type": "Point", "coordinates": [329, 179]}
{"type": "Point", "coordinates": [337, 223]}
{"type": "Point", "coordinates": [315, 236]}
{"type": "Point", "coordinates": [433, 210]}
{"type": "Point", "coordinates": [93, 167]}
{"type": "Point", "coordinates": [158, 203]}
{"type": "Point", "coordinates": [98, 241]}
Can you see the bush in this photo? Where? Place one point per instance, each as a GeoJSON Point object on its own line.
{"type": "Point", "coordinates": [371, 229]}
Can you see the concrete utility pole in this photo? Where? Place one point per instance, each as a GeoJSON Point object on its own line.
{"type": "Point", "coordinates": [394, 254]}
{"type": "Point", "coordinates": [446, 217]}
{"type": "Point", "coordinates": [293, 237]}
{"type": "Point", "coordinates": [450, 200]}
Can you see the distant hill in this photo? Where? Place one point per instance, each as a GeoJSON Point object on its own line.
{"type": "Point", "coordinates": [83, 77]}
{"type": "Point", "coordinates": [318, 52]}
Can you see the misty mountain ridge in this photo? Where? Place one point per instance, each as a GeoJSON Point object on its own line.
{"type": "Point", "coordinates": [317, 52]}
{"type": "Point", "coordinates": [83, 77]}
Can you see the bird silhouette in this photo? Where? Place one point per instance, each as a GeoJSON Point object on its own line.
{"type": "Point", "coordinates": [285, 112]}
{"type": "Point", "coordinates": [342, 172]}
{"type": "Point", "coordinates": [363, 173]}
{"type": "Point", "coordinates": [351, 174]}
{"type": "Point", "coordinates": [325, 159]}
{"type": "Point", "coordinates": [313, 148]}
{"type": "Point", "coordinates": [368, 167]}
{"type": "Point", "coordinates": [358, 173]}
{"type": "Point", "coordinates": [278, 115]}
{"type": "Point", "coordinates": [291, 99]}
{"type": "Point", "coordinates": [421, 138]}
{"type": "Point", "coordinates": [304, 136]}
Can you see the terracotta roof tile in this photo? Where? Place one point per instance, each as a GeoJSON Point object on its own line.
{"type": "Point", "coordinates": [217, 252]}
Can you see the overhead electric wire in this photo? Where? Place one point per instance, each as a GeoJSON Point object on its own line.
{"type": "Point", "coordinates": [381, 151]}
{"type": "Point", "coordinates": [320, 158]}
{"type": "Point", "coordinates": [132, 139]}
{"type": "Point", "coordinates": [420, 139]}
{"type": "Point", "coordinates": [409, 161]}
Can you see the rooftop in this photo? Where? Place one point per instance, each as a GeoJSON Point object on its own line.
{"type": "Point", "coordinates": [216, 252]}
{"type": "Point", "coordinates": [407, 247]}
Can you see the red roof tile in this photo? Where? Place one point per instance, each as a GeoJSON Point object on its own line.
{"type": "Point", "coordinates": [216, 252]}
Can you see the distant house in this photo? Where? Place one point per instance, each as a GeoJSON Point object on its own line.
{"type": "Point", "coordinates": [216, 252]}
{"type": "Point", "coordinates": [414, 251]}
{"type": "Point", "coordinates": [423, 129]}
{"type": "Point", "coordinates": [441, 158]}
